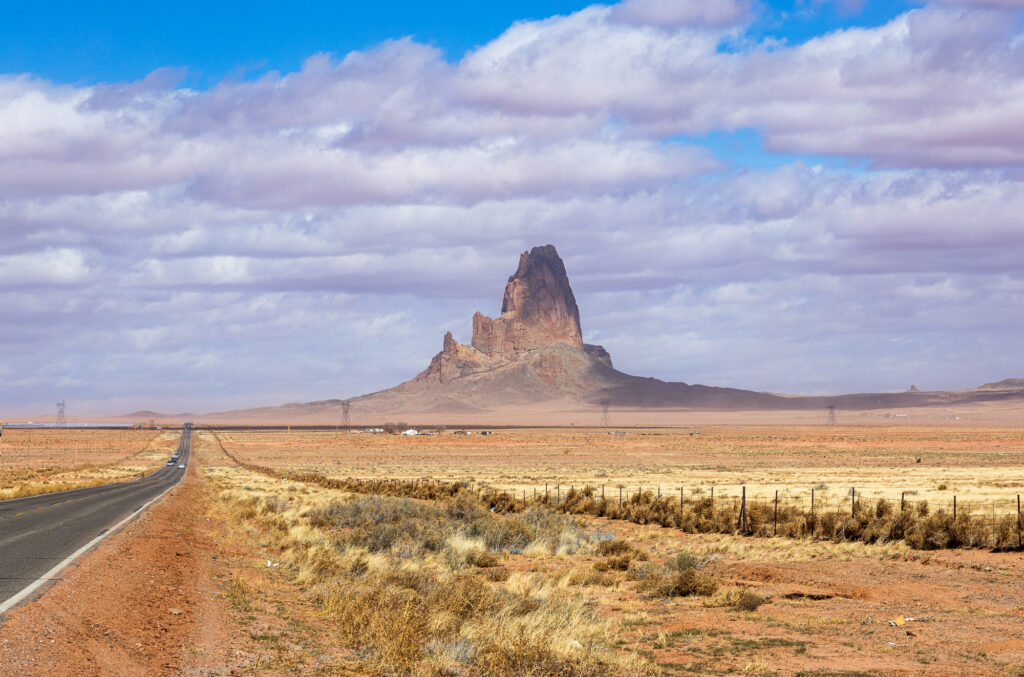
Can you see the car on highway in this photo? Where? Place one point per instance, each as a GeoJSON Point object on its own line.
{"type": "Point", "coordinates": [170, 462]}
{"type": "Point", "coordinates": [181, 466]}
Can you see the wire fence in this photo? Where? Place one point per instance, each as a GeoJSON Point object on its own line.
{"type": "Point", "coordinates": [861, 519]}
{"type": "Point", "coordinates": [808, 500]}
{"type": "Point", "coordinates": [992, 523]}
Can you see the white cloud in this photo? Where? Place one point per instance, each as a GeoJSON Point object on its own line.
{"type": "Point", "coordinates": [48, 267]}
{"type": "Point", "coordinates": [337, 218]}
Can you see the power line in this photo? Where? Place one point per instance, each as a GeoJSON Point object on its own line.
{"type": "Point", "coordinates": [61, 419]}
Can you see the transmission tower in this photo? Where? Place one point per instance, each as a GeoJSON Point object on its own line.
{"type": "Point", "coordinates": [605, 402]}
{"type": "Point", "coordinates": [61, 420]}
{"type": "Point", "coordinates": [831, 419]}
{"type": "Point", "coordinates": [346, 418]}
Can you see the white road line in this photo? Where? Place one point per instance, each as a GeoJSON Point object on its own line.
{"type": "Point", "coordinates": [49, 575]}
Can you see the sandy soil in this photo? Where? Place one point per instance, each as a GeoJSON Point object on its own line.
{"type": "Point", "coordinates": [829, 605]}
{"type": "Point", "coordinates": [41, 461]}
{"type": "Point", "coordinates": [829, 610]}
{"type": "Point", "coordinates": [145, 602]}
{"type": "Point", "coordinates": [830, 613]}
{"type": "Point", "coordinates": [933, 463]}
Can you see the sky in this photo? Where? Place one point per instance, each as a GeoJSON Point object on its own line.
{"type": "Point", "coordinates": [204, 209]}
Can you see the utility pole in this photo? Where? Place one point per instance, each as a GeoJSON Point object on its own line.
{"type": "Point", "coordinates": [605, 403]}
{"type": "Point", "coordinates": [346, 417]}
{"type": "Point", "coordinates": [831, 419]}
{"type": "Point", "coordinates": [61, 419]}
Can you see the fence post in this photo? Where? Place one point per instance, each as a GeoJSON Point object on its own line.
{"type": "Point", "coordinates": [602, 493]}
{"type": "Point", "coordinates": [853, 502]}
{"type": "Point", "coordinates": [1019, 543]}
{"type": "Point", "coordinates": [743, 511]}
{"type": "Point", "coordinates": [775, 527]}
{"type": "Point", "coordinates": [903, 501]}
{"type": "Point", "coordinates": [558, 493]}
{"type": "Point", "coordinates": [812, 504]}
{"type": "Point", "coordinates": [659, 491]}
{"type": "Point", "coordinates": [680, 499]}
{"type": "Point", "coordinates": [620, 495]}
{"type": "Point", "coordinates": [712, 500]}
{"type": "Point", "coordinates": [954, 507]}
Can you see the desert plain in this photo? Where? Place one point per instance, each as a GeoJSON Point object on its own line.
{"type": "Point", "coordinates": [329, 551]}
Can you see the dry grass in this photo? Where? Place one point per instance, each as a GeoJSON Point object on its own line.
{"type": "Point", "coordinates": [410, 584]}
{"type": "Point", "coordinates": [981, 465]}
{"type": "Point", "coordinates": [44, 461]}
{"type": "Point", "coordinates": [760, 605]}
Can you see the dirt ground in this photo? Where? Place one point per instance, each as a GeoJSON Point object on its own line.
{"type": "Point", "coordinates": [42, 461]}
{"type": "Point", "coordinates": [147, 601]}
{"type": "Point", "coordinates": [832, 608]}
{"type": "Point", "coordinates": [933, 463]}
{"type": "Point", "coordinates": [829, 609]}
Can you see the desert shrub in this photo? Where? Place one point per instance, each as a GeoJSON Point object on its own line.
{"type": "Point", "coordinates": [683, 560]}
{"type": "Point", "coordinates": [620, 562]}
{"type": "Point", "coordinates": [620, 554]}
{"type": "Point", "coordinates": [641, 571]}
{"type": "Point", "coordinates": [667, 582]}
{"type": "Point", "coordinates": [520, 655]}
{"type": "Point", "coordinates": [615, 547]}
{"type": "Point", "coordinates": [486, 559]}
{"type": "Point", "coordinates": [591, 576]}
{"type": "Point", "coordinates": [748, 600]}
{"type": "Point", "coordinates": [240, 592]}
{"type": "Point", "coordinates": [461, 550]}
{"type": "Point", "coordinates": [691, 582]}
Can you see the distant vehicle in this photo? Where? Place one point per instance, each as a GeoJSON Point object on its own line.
{"type": "Point", "coordinates": [170, 462]}
{"type": "Point", "coordinates": [181, 466]}
{"type": "Point", "coordinates": [411, 431]}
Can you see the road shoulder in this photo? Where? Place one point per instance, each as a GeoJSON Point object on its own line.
{"type": "Point", "coordinates": [146, 601]}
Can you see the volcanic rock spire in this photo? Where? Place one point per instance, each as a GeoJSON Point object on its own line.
{"type": "Point", "coordinates": [538, 313]}
{"type": "Point", "coordinates": [538, 309]}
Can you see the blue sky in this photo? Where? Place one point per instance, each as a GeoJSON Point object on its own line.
{"type": "Point", "coordinates": [118, 40]}
{"type": "Point", "coordinates": [89, 42]}
{"type": "Point", "coordinates": [802, 196]}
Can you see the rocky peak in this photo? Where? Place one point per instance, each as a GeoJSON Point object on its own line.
{"type": "Point", "coordinates": [538, 329]}
{"type": "Point", "coordinates": [538, 309]}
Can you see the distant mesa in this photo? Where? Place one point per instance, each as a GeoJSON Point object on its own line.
{"type": "Point", "coordinates": [532, 357]}
{"type": "Point", "coordinates": [1005, 384]}
{"type": "Point", "coordinates": [533, 352]}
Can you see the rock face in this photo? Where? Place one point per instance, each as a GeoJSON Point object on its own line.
{"type": "Point", "coordinates": [538, 309]}
{"type": "Point", "coordinates": [538, 313]}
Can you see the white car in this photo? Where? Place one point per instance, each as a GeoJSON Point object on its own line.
{"type": "Point", "coordinates": [181, 466]}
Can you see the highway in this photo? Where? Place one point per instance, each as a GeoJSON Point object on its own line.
{"type": "Point", "coordinates": [39, 533]}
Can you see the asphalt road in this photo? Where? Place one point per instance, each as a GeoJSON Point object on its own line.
{"type": "Point", "coordinates": [39, 532]}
